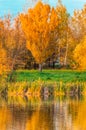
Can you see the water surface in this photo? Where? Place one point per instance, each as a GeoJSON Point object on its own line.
{"type": "Point", "coordinates": [62, 113]}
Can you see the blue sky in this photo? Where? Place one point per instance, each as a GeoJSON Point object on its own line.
{"type": "Point", "coordinates": [15, 6]}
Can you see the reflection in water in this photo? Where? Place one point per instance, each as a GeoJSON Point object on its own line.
{"type": "Point", "coordinates": [78, 110]}
{"type": "Point", "coordinates": [20, 113]}
{"type": "Point", "coordinates": [5, 118]}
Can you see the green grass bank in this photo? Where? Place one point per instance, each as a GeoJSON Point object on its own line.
{"type": "Point", "coordinates": [51, 75]}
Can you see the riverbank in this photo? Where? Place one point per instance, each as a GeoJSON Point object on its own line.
{"type": "Point", "coordinates": [49, 82]}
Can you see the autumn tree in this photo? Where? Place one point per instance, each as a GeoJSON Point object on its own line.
{"type": "Point", "coordinates": [16, 46]}
{"type": "Point", "coordinates": [78, 25]}
{"type": "Point", "coordinates": [14, 43]}
{"type": "Point", "coordinates": [39, 25]}
{"type": "Point", "coordinates": [63, 33]}
{"type": "Point", "coordinates": [80, 54]}
{"type": "Point", "coordinates": [3, 61]}
{"type": "Point", "coordinates": [3, 56]}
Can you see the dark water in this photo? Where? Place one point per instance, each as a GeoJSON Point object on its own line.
{"type": "Point", "coordinates": [62, 113]}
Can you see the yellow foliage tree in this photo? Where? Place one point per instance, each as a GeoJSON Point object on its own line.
{"type": "Point", "coordinates": [78, 24]}
{"type": "Point", "coordinates": [80, 54]}
{"type": "Point", "coordinates": [63, 33]}
{"type": "Point", "coordinates": [12, 45]}
{"type": "Point", "coordinates": [39, 25]}
{"type": "Point", "coordinates": [3, 61]}
{"type": "Point", "coordinates": [3, 55]}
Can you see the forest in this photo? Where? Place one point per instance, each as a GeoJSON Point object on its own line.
{"type": "Point", "coordinates": [43, 37]}
{"type": "Point", "coordinates": [43, 67]}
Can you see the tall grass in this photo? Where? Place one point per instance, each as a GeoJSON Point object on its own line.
{"type": "Point", "coordinates": [42, 88]}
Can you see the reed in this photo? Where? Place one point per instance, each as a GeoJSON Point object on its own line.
{"type": "Point", "coordinates": [42, 88]}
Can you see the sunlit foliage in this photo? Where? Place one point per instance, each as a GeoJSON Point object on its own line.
{"type": "Point", "coordinates": [50, 34]}
{"type": "Point", "coordinates": [3, 61]}
{"type": "Point", "coordinates": [39, 26]}
{"type": "Point", "coordinates": [80, 54]}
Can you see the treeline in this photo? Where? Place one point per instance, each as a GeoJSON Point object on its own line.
{"type": "Point", "coordinates": [44, 36]}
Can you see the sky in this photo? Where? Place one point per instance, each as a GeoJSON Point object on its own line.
{"type": "Point", "coordinates": [16, 6]}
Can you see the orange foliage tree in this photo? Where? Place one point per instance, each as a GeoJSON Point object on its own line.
{"type": "Point", "coordinates": [39, 25]}
{"type": "Point", "coordinates": [13, 44]}
{"type": "Point", "coordinates": [3, 61]}
{"type": "Point", "coordinates": [63, 33]}
{"type": "Point", "coordinates": [80, 54]}
{"type": "Point", "coordinates": [78, 32]}
{"type": "Point", "coordinates": [3, 55]}
{"type": "Point", "coordinates": [78, 24]}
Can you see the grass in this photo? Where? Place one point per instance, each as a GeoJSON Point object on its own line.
{"type": "Point", "coordinates": [41, 88]}
{"type": "Point", "coordinates": [49, 82]}
{"type": "Point", "coordinates": [51, 75]}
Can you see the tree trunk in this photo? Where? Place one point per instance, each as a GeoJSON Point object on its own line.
{"type": "Point", "coordinates": [59, 50]}
{"type": "Point", "coordinates": [53, 64]}
{"type": "Point", "coordinates": [67, 46]}
{"type": "Point", "coordinates": [49, 63]}
{"type": "Point", "coordinates": [66, 56]}
{"type": "Point", "coordinates": [40, 67]}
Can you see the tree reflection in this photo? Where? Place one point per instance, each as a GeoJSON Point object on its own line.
{"type": "Point", "coordinates": [5, 118]}
{"type": "Point", "coordinates": [61, 114]}
{"type": "Point", "coordinates": [78, 113]}
{"type": "Point", "coordinates": [41, 119]}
